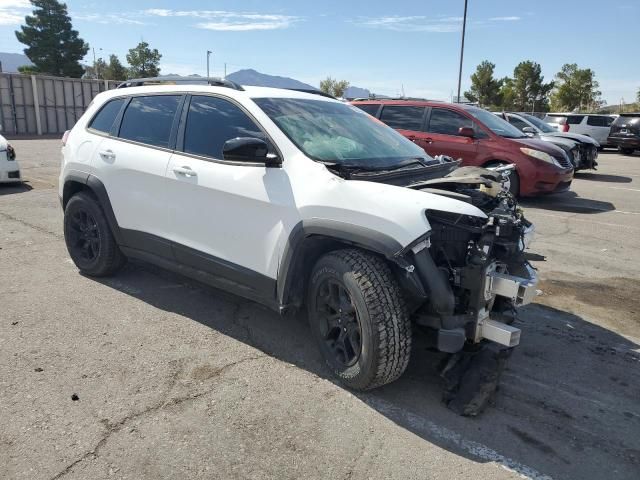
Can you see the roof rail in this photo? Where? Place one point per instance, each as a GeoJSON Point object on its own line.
{"type": "Point", "coordinates": [312, 91]}
{"type": "Point", "coordinates": [175, 79]}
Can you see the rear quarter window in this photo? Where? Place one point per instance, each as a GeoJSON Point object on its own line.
{"type": "Point", "coordinates": [104, 119]}
{"type": "Point", "coordinates": [598, 121]}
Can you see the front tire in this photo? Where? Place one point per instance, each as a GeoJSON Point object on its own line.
{"type": "Point", "coordinates": [359, 317]}
{"type": "Point", "coordinates": [89, 239]}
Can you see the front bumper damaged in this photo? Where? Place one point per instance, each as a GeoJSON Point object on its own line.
{"type": "Point", "coordinates": [521, 291]}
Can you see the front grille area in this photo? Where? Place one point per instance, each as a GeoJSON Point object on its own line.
{"type": "Point", "coordinates": [564, 160]}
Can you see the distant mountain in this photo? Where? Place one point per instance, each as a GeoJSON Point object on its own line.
{"type": "Point", "coordinates": [11, 61]}
{"type": "Point", "coordinates": [257, 79]}
{"type": "Point", "coordinates": [356, 92]}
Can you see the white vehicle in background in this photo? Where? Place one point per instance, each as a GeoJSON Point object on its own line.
{"type": "Point", "coordinates": [9, 168]}
{"type": "Point", "coordinates": [591, 125]}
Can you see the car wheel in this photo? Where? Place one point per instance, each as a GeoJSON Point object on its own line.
{"type": "Point", "coordinates": [513, 183]}
{"type": "Point", "coordinates": [626, 151]}
{"type": "Point", "coordinates": [359, 317]}
{"type": "Point", "coordinates": [89, 239]}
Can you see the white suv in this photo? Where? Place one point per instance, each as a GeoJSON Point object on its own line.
{"type": "Point", "coordinates": [291, 198]}
{"type": "Point", "coordinates": [594, 126]}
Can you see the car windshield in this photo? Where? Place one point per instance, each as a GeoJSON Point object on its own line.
{"type": "Point", "coordinates": [495, 124]}
{"type": "Point", "coordinates": [544, 127]}
{"type": "Point", "coordinates": [340, 133]}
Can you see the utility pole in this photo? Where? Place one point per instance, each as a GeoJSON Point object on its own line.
{"type": "Point", "coordinates": [96, 72]}
{"type": "Point", "coordinates": [464, 26]}
{"type": "Point", "coordinates": [225, 70]}
{"type": "Point", "coordinates": [209, 52]}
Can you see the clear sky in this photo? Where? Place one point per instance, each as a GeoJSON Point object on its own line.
{"type": "Point", "coordinates": [375, 44]}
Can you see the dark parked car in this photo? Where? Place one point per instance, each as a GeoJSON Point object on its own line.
{"type": "Point", "coordinates": [625, 133]}
{"type": "Point", "coordinates": [479, 138]}
{"type": "Point", "coordinates": [582, 149]}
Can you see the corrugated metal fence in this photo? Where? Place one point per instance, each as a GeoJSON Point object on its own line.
{"type": "Point", "coordinates": [41, 105]}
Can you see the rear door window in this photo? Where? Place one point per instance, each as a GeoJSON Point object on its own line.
{"type": "Point", "coordinates": [369, 108]}
{"type": "Point", "coordinates": [149, 119]}
{"type": "Point", "coordinates": [403, 117]}
{"type": "Point", "coordinates": [447, 122]}
{"type": "Point", "coordinates": [211, 121]}
{"type": "Point", "coordinates": [103, 121]}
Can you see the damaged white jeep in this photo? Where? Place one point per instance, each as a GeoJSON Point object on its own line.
{"type": "Point", "coordinates": [289, 199]}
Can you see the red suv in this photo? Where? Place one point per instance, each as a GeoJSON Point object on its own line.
{"type": "Point", "coordinates": [479, 138]}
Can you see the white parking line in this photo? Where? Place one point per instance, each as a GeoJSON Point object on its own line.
{"type": "Point", "coordinates": [585, 220]}
{"type": "Point", "coordinates": [442, 433]}
{"type": "Point", "coordinates": [623, 188]}
{"type": "Point", "coordinates": [599, 209]}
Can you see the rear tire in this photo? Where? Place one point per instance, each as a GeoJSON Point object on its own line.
{"type": "Point", "coordinates": [626, 151]}
{"type": "Point", "coordinates": [514, 178]}
{"type": "Point", "coordinates": [359, 317]}
{"type": "Point", "coordinates": [89, 239]}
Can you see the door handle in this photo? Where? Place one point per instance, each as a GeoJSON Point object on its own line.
{"type": "Point", "coordinates": [186, 171]}
{"type": "Point", "coordinates": [107, 154]}
{"type": "Point", "coordinates": [428, 140]}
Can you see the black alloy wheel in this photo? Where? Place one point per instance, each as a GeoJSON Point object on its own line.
{"type": "Point", "coordinates": [340, 326]}
{"type": "Point", "coordinates": [84, 235]}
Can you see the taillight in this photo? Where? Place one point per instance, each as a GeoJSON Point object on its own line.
{"type": "Point", "coordinates": [65, 136]}
{"type": "Point", "coordinates": [565, 127]}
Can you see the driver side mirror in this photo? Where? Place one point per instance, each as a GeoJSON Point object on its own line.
{"type": "Point", "coordinates": [466, 132]}
{"type": "Point", "coordinates": [249, 149]}
{"type": "Point", "coordinates": [529, 131]}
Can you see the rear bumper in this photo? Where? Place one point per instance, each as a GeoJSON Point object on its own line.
{"type": "Point", "coordinates": [624, 142]}
{"type": "Point", "coordinates": [9, 171]}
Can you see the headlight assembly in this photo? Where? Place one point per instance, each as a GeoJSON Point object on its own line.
{"type": "Point", "coordinates": [540, 155]}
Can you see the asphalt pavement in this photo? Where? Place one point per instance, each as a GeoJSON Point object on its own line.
{"type": "Point", "coordinates": [148, 375]}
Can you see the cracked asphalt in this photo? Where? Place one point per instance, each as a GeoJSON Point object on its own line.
{"type": "Point", "coordinates": [173, 379]}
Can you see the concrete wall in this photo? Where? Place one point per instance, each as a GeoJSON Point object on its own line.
{"type": "Point", "coordinates": [43, 105]}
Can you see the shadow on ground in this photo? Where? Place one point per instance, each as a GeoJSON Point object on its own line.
{"type": "Point", "coordinates": [569, 202]}
{"type": "Point", "coordinates": [602, 177]}
{"type": "Point", "coordinates": [567, 406]}
{"type": "Point", "coordinates": [10, 188]}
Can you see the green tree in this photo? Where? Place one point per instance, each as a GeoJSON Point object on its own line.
{"type": "Point", "coordinates": [115, 70]}
{"type": "Point", "coordinates": [143, 62]}
{"type": "Point", "coordinates": [53, 45]}
{"type": "Point", "coordinates": [638, 96]}
{"type": "Point", "coordinates": [334, 87]}
{"type": "Point", "coordinates": [484, 88]}
{"type": "Point", "coordinates": [526, 90]}
{"type": "Point", "coordinates": [576, 88]}
{"type": "Point", "coordinates": [96, 70]}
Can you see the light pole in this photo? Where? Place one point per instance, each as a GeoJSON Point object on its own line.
{"type": "Point", "coordinates": [464, 26]}
{"type": "Point", "coordinates": [209, 52]}
{"type": "Point", "coordinates": [95, 65]}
